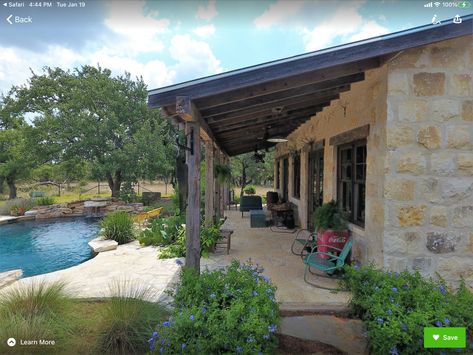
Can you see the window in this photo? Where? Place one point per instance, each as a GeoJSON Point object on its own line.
{"type": "Point", "coordinates": [351, 178]}
{"type": "Point", "coordinates": [277, 174]}
{"type": "Point", "coordinates": [285, 179]}
{"type": "Point", "coordinates": [316, 183]}
{"type": "Point", "coordinates": [297, 175]}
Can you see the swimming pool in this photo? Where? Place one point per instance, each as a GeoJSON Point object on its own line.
{"type": "Point", "coordinates": [38, 247]}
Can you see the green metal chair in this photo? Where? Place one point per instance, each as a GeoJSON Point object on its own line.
{"type": "Point", "coordinates": [304, 241]}
{"type": "Point", "coordinates": [329, 265]}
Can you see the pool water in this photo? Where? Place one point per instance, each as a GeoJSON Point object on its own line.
{"type": "Point", "coordinates": [38, 247]}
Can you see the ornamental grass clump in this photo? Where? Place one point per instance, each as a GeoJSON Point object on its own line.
{"type": "Point", "coordinates": [231, 310]}
{"type": "Point", "coordinates": [396, 307]}
{"type": "Point", "coordinates": [35, 311]}
{"type": "Point", "coordinates": [128, 318]}
{"type": "Point", "coordinates": [118, 226]}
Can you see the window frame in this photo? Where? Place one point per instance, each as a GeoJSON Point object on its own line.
{"type": "Point", "coordinates": [278, 173]}
{"type": "Point", "coordinates": [296, 176]}
{"type": "Point", "coordinates": [356, 185]}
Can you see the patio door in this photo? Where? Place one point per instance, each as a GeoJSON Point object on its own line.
{"type": "Point", "coordinates": [316, 184]}
{"type": "Point", "coordinates": [285, 179]}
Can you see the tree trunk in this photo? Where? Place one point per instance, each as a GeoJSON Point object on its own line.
{"type": "Point", "coordinates": [115, 183]}
{"type": "Point", "coordinates": [12, 187]}
{"type": "Point", "coordinates": [1, 185]}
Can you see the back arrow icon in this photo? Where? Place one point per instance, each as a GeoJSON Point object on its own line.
{"type": "Point", "coordinates": [8, 19]}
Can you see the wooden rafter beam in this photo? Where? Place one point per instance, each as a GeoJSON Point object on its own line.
{"type": "Point", "coordinates": [259, 122]}
{"type": "Point", "coordinates": [188, 112]}
{"type": "Point", "coordinates": [298, 101]}
{"type": "Point", "coordinates": [293, 92]}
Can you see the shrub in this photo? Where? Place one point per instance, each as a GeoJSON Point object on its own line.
{"type": "Point", "coordinates": [118, 226]}
{"type": "Point", "coordinates": [395, 308]}
{"type": "Point", "coordinates": [17, 205]}
{"type": "Point", "coordinates": [223, 311]}
{"type": "Point", "coordinates": [34, 311]}
{"type": "Point", "coordinates": [208, 237]}
{"type": "Point", "coordinates": [162, 231]}
{"type": "Point", "coordinates": [127, 319]}
{"type": "Point", "coordinates": [127, 192]}
{"type": "Point", "coordinates": [250, 189]}
{"type": "Point", "coordinates": [45, 201]}
{"type": "Point", "coordinates": [329, 216]}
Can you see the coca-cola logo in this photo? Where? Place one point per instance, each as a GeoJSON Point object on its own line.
{"type": "Point", "coordinates": [337, 239]}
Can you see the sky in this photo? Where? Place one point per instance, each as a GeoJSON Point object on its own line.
{"type": "Point", "coordinates": [168, 42]}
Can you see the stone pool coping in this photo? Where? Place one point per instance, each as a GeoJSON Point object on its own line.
{"type": "Point", "coordinates": [131, 263]}
{"type": "Point", "coordinates": [13, 219]}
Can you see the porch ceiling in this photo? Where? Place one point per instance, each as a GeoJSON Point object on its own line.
{"type": "Point", "coordinates": [243, 108]}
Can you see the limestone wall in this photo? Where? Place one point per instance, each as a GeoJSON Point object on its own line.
{"type": "Point", "coordinates": [102, 207]}
{"type": "Point", "coordinates": [364, 104]}
{"type": "Point", "coordinates": [429, 164]}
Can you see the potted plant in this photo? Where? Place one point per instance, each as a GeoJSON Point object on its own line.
{"type": "Point", "coordinates": [331, 226]}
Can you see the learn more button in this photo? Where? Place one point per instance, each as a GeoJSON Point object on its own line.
{"type": "Point", "coordinates": [444, 337]}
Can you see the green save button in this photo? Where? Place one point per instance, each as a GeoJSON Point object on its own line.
{"type": "Point", "coordinates": [444, 337]}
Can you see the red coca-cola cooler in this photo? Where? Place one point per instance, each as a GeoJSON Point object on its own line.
{"type": "Point", "coordinates": [332, 238]}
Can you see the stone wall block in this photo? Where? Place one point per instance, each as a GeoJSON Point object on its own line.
{"type": "Point", "coordinates": [443, 110]}
{"type": "Point", "coordinates": [398, 83]}
{"type": "Point", "coordinates": [456, 189]}
{"type": "Point", "coordinates": [429, 189]}
{"type": "Point", "coordinates": [447, 57]}
{"type": "Point", "coordinates": [411, 215]}
{"type": "Point", "coordinates": [412, 162]}
{"type": "Point", "coordinates": [458, 137]}
{"type": "Point", "coordinates": [399, 190]}
{"type": "Point", "coordinates": [467, 110]}
{"type": "Point", "coordinates": [463, 217]}
{"type": "Point", "coordinates": [465, 164]}
{"type": "Point", "coordinates": [413, 110]}
{"type": "Point", "coordinates": [429, 137]}
{"type": "Point", "coordinates": [461, 85]}
{"type": "Point", "coordinates": [398, 136]}
{"type": "Point", "coordinates": [440, 243]}
{"type": "Point", "coordinates": [439, 216]}
{"type": "Point", "coordinates": [443, 163]}
{"type": "Point", "coordinates": [429, 84]}
{"type": "Point", "coordinates": [422, 264]}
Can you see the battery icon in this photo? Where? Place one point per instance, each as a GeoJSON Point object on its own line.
{"type": "Point", "coordinates": [464, 4]}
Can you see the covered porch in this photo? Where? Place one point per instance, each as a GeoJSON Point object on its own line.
{"type": "Point", "coordinates": [272, 250]}
{"type": "Point", "coordinates": [344, 91]}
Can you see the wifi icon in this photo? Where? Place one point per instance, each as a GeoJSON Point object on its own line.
{"type": "Point", "coordinates": [437, 4]}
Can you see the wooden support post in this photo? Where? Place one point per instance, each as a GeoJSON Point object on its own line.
{"type": "Point", "coordinates": [209, 183]}
{"type": "Point", "coordinates": [226, 186]}
{"type": "Point", "coordinates": [189, 113]}
{"type": "Point", "coordinates": [222, 189]}
{"type": "Point", "coordinates": [193, 197]}
{"type": "Point", "coordinates": [218, 213]}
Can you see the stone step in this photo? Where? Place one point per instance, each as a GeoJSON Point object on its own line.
{"type": "Point", "coordinates": [99, 245]}
{"type": "Point", "coordinates": [343, 334]}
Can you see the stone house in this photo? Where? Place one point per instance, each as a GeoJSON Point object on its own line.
{"type": "Point", "coordinates": [383, 126]}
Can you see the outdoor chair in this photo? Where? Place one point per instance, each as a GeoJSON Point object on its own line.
{"type": "Point", "coordinates": [327, 266]}
{"type": "Point", "coordinates": [304, 242]}
{"type": "Point", "coordinates": [248, 203]}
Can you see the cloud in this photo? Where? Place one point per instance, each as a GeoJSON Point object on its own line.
{"type": "Point", "coordinates": [369, 29]}
{"type": "Point", "coordinates": [345, 21]}
{"type": "Point", "coordinates": [204, 31]}
{"type": "Point", "coordinates": [194, 58]}
{"type": "Point", "coordinates": [207, 12]}
{"type": "Point", "coordinates": [279, 12]}
{"type": "Point", "coordinates": [138, 32]}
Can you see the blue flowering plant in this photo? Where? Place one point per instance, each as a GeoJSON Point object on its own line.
{"type": "Point", "coordinates": [396, 307]}
{"type": "Point", "coordinates": [230, 310]}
